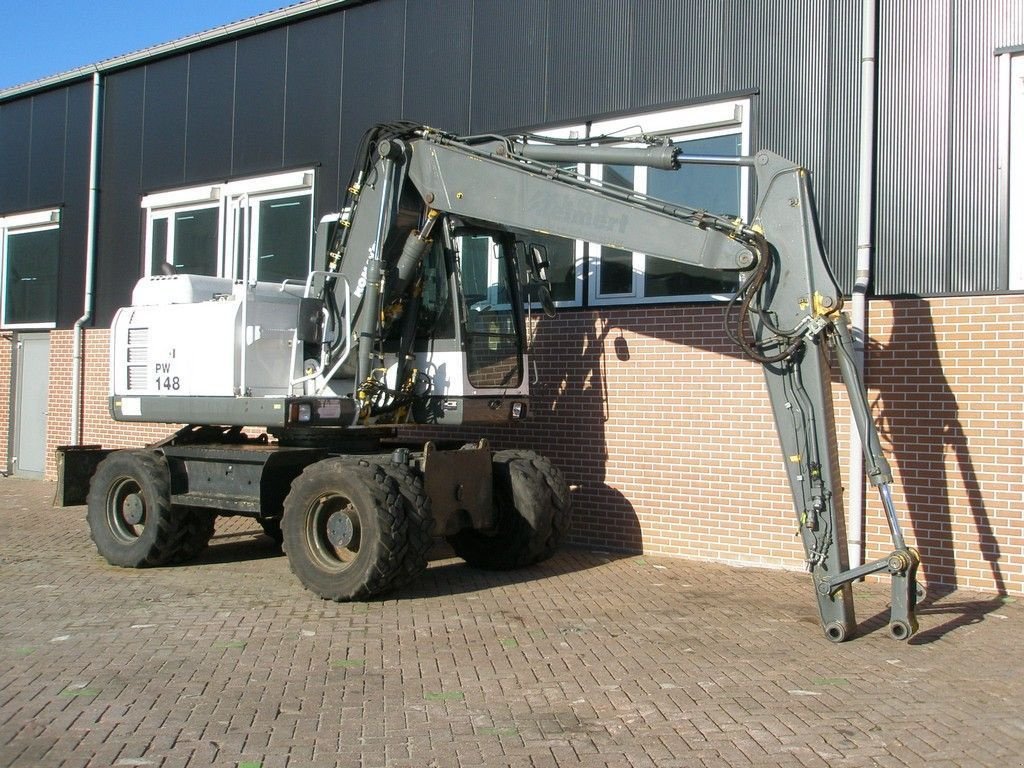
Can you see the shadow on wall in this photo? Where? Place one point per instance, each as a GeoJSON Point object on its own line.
{"type": "Point", "coordinates": [918, 421]}
{"type": "Point", "coordinates": [573, 398]}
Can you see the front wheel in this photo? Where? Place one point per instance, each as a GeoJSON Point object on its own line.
{"type": "Point", "coordinates": [532, 510]}
{"type": "Point", "coordinates": [344, 529]}
{"type": "Point", "coordinates": [129, 510]}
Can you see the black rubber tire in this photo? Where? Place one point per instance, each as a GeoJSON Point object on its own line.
{"type": "Point", "coordinates": [198, 525]}
{"type": "Point", "coordinates": [272, 528]}
{"type": "Point", "coordinates": [420, 532]}
{"type": "Point", "coordinates": [129, 510]}
{"type": "Point", "coordinates": [533, 511]}
{"type": "Point", "coordinates": [361, 503]}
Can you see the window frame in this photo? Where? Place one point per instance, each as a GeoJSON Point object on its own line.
{"type": "Point", "coordinates": [238, 204]}
{"type": "Point", "coordinates": [25, 223]}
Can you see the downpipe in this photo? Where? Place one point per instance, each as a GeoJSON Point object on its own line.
{"type": "Point", "coordinates": [862, 280]}
{"type": "Point", "coordinates": [90, 262]}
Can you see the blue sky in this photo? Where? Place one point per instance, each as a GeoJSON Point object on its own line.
{"type": "Point", "coordinates": [46, 37]}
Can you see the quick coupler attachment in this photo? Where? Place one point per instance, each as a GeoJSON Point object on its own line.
{"type": "Point", "coordinates": [902, 567]}
{"type": "Point", "coordinates": [903, 570]}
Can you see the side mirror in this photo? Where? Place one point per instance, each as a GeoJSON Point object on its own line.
{"type": "Point", "coordinates": [539, 263]}
{"type": "Point", "coordinates": [539, 266]}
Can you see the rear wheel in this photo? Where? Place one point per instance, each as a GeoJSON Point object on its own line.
{"type": "Point", "coordinates": [344, 529]}
{"type": "Point", "coordinates": [129, 510]}
{"type": "Point", "coordinates": [197, 529]}
{"type": "Point", "coordinates": [533, 513]}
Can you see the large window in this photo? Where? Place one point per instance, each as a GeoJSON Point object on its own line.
{"type": "Point", "coordinates": [1014, 204]}
{"type": "Point", "coordinates": [625, 277]}
{"type": "Point", "coordinates": [30, 253]}
{"type": "Point", "coordinates": [614, 276]}
{"type": "Point", "coordinates": [255, 229]}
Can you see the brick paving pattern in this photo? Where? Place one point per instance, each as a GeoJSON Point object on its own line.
{"type": "Point", "coordinates": [591, 659]}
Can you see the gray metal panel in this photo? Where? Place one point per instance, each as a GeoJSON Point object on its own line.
{"type": "Point", "coordinates": [261, 64]}
{"type": "Point", "coordinates": [211, 103]}
{"type": "Point", "coordinates": [913, 135]}
{"type": "Point", "coordinates": [938, 132]}
{"type": "Point", "coordinates": [15, 145]}
{"type": "Point", "coordinates": [163, 131]}
{"type": "Point", "coordinates": [372, 72]}
{"type": "Point", "coordinates": [32, 390]}
{"type": "Point", "coordinates": [120, 238]}
{"type": "Point", "coordinates": [438, 60]}
{"type": "Point", "coordinates": [312, 111]}
{"type": "Point", "coordinates": [490, 65]}
{"type": "Point", "coordinates": [588, 58]}
{"type": "Point", "coordinates": [49, 149]}
{"type": "Point", "coordinates": [509, 80]}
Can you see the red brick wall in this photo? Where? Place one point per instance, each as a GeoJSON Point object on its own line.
{"type": "Point", "coordinates": [96, 426]}
{"type": "Point", "coordinates": [6, 392]}
{"type": "Point", "coordinates": [670, 437]}
{"type": "Point", "coordinates": [947, 378]}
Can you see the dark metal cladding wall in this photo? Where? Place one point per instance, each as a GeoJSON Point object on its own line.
{"type": "Point", "coordinates": [799, 58]}
{"type": "Point", "coordinates": [44, 163]}
{"type": "Point", "coordinates": [438, 64]}
{"type": "Point", "coordinates": [303, 93]}
{"type": "Point", "coordinates": [119, 252]}
{"type": "Point", "coordinates": [510, 49]}
{"type": "Point", "coordinates": [938, 131]}
{"type": "Point", "coordinates": [372, 72]}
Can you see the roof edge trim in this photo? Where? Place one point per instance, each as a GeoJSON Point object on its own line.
{"type": "Point", "coordinates": [182, 44]}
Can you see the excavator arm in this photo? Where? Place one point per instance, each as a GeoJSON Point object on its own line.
{"type": "Point", "coordinates": [786, 314]}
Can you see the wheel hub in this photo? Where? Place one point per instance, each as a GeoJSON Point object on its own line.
{"type": "Point", "coordinates": [340, 530]}
{"type": "Point", "coordinates": [133, 509]}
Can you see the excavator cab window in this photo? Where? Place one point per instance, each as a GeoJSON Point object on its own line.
{"type": "Point", "coordinates": [436, 318]}
{"type": "Point", "coordinates": [492, 314]}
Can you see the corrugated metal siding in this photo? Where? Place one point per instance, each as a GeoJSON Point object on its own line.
{"type": "Point", "coordinates": [913, 134]}
{"type": "Point", "coordinates": [261, 65]}
{"type": "Point", "coordinates": [164, 124]}
{"type": "Point", "coordinates": [120, 234]}
{"type": "Point", "coordinates": [372, 72]}
{"type": "Point", "coordinates": [312, 109]}
{"type": "Point", "coordinates": [438, 64]}
{"type": "Point", "coordinates": [304, 93]}
{"type": "Point", "coordinates": [938, 132]}
{"type": "Point", "coordinates": [211, 103]}
{"type": "Point", "coordinates": [588, 58]}
{"type": "Point", "coordinates": [15, 151]}
{"type": "Point", "coordinates": [510, 49]}
{"type": "Point", "coordinates": [44, 163]}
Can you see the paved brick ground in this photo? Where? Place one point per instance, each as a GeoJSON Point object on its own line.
{"type": "Point", "coordinates": [591, 659]}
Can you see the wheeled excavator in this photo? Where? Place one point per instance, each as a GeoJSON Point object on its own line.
{"type": "Point", "coordinates": [295, 394]}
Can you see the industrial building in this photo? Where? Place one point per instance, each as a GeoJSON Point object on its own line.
{"type": "Point", "coordinates": [231, 144]}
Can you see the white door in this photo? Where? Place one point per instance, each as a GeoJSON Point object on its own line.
{"type": "Point", "coordinates": [32, 386]}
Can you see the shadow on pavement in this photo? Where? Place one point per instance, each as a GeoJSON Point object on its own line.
{"type": "Point", "coordinates": [939, 602]}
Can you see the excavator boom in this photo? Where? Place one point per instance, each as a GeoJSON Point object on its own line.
{"type": "Point", "coordinates": [786, 314]}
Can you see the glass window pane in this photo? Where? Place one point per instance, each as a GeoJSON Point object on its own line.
{"type": "Point", "coordinates": [285, 233]}
{"type": "Point", "coordinates": [710, 187]}
{"type": "Point", "coordinates": [30, 280]}
{"type": "Point", "coordinates": [616, 271]}
{"type": "Point", "coordinates": [616, 274]}
{"type": "Point", "coordinates": [663, 277]}
{"type": "Point", "coordinates": [158, 246]}
{"type": "Point", "coordinates": [561, 253]}
{"type": "Point", "coordinates": [620, 175]}
{"type": "Point", "coordinates": [195, 241]}
{"type": "Point", "coordinates": [474, 253]}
